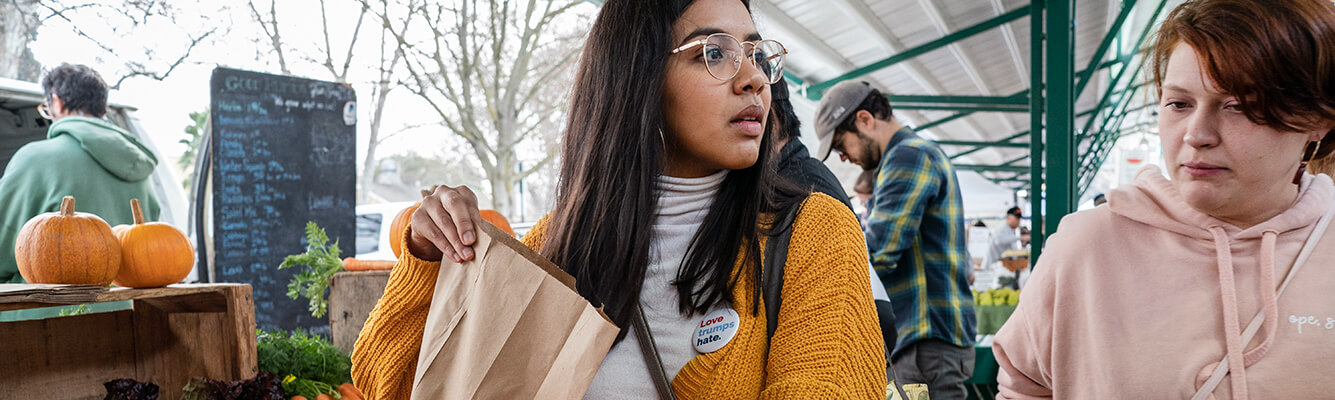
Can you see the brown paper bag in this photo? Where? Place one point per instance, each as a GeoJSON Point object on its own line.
{"type": "Point", "coordinates": [509, 325]}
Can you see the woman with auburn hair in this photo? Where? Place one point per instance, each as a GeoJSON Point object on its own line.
{"type": "Point", "coordinates": [666, 189]}
{"type": "Point", "coordinates": [1215, 281]}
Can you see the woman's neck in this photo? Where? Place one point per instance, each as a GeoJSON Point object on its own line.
{"type": "Point", "coordinates": [687, 200]}
{"type": "Point", "coordinates": [688, 172]}
{"type": "Point", "coordinates": [1262, 209]}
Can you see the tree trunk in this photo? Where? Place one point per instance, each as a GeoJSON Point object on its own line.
{"type": "Point", "coordinates": [18, 27]}
{"type": "Point", "coordinates": [368, 167]}
{"type": "Point", "coordinates": [502, 193]}
{"type": "Point", "coordinates": [381, 93]}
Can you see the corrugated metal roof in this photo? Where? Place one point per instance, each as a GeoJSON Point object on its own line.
{"type": "Point", "coordinates": [829, 38]}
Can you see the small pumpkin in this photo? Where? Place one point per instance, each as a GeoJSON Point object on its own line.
{"type": "Point", "coordinates": [401, 222]}
{"type": "Point", "coordinates": [495, 218]}
{"type": "Point", "coordinates": [67, 247]}
{"type": "Point", "coordinates": [153, 254]}
{"type": "Point", "coordinates": [396, 228]}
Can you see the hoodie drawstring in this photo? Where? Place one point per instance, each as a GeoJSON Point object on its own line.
{"type": "Point", "coordinates": [1228, 296]}
{"type": "Point", "coordinates": [1268, 299]}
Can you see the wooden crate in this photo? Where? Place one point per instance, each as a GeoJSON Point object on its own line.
{"type": "Point", "coordinates": [352, 296]}
{"type": "Point", "coordinates": [170, 335]}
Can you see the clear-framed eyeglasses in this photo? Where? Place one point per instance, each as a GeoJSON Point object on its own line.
{"type": "Point", "coordinates": [44, 110]}
{"type": "Point", "coordinates": [723, 55]}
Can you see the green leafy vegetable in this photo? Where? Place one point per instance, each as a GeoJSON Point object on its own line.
{"type": "Point", "coordinates": [322, 262]}
{"type": "Point", "coordinates": [310, 389]}
{"type": "Point", "coordinates": [309, 364]}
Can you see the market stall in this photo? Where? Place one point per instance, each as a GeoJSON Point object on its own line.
{"type": "Point", "coordinates": [170, 335]}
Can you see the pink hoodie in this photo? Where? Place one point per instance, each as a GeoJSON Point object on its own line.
{"type": "Point", "coordinates": [1132, 301]}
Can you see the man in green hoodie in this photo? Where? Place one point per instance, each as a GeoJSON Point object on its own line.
{"type": "Point", "coordinates": [84, 156]}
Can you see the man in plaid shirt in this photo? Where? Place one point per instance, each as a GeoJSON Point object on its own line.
{"type": "Point", "coordinates": [915, 235]}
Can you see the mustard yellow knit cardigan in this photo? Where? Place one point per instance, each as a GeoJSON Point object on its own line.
{"type": "Point", "coordinates": [827, 344]}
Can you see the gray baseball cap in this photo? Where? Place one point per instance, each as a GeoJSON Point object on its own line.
{"type": "Point", "coordinates": [836, 105]}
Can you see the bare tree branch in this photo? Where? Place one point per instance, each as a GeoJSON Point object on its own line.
{"type": "Point", "coordinates": [551, 155]}
{"type": "Point", "coordinates": [59, 13]}
{"type": "Point", "coordinates": [339, 75]}
{"type": "Point", "coordinates": [75, 27]}
{"type": "Point", "coordinates": [271, 30]}
{"type": "Point", "coordinates": [564, 63]}
{"type": "Point", "coordinates": [347, 60]}
{"type": "Point", "coordinates": [172, 67]}
{"type": "Point", "coordinates": [475, 65]}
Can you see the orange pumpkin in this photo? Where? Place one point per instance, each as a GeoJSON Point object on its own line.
{"type": "Point", "coordinates": [67, 247]}
{"type": "Point", "coordinates": [153, 254]}
{"type": "Point", "coordinates": [495, 218]}
{"type": "Point", "coordinates": [396, 228]}
{"type": "Point", "coordinates": [401, 222]}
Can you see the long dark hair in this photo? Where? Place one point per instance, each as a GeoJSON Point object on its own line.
{"type": "Point", "coordinates": [613, 153]}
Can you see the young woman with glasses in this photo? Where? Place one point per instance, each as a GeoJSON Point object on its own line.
{"type": "Point", "coordinates": [665, 194]}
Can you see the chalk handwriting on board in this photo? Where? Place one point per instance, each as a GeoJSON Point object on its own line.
{"type": "Point", "coordinates": [283, 155]}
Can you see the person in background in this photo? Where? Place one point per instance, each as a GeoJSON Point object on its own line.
{"type": "Point", "coordinates": [1100, 199]}
{"type": "Point", "coordinates": [1170, 291]}
{"type": "Point", "coordinates": [1005, 237]}
{"type": "Point", "coordinates": [83, 155]}
{"type": "Point", "coordinates": [863, 189]}
{"type": "Point", "coordinates": [797, 166]}
{"type": "Point", "coordinates": [915, 235]}
{"type": "Point", "coordinates": [794, 162]}
{"type": "Point", "coordinates": [666, 175]}
{"type": "Point", "coordinates": [979, 238]}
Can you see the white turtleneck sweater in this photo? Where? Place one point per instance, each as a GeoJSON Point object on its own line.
{"type": "Point", "coordinates": [682, 207]}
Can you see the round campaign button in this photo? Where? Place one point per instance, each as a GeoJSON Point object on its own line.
{"type": "Point", "coordinates": [715, 330]}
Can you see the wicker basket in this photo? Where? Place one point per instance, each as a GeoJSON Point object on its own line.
{"type": "Point", "coordinates": [1015, 260]}
{"type": "Point", "coordinates": [1015, 264]}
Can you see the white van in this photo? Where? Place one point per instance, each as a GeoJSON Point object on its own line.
{"type": "Point", "coordinates": [373, 221]}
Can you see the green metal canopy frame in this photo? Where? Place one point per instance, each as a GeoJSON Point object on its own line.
{"type": "Point", "coordinates": [1059, 172]}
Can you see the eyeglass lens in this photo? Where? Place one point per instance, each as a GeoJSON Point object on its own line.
{"type": "Point", "coordinates": [723, 57]}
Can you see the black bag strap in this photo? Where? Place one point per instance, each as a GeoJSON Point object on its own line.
{"type": "Point", "coordinates": [776, 255]}
{"type": "Point", "coordinates": [650, 350]}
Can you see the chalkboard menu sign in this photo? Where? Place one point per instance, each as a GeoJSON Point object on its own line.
{"type": "Point", "coordinates": [284, 153]}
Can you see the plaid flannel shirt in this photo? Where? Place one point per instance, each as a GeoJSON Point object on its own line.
{"type": "Point", "coordinates": [915, 236]}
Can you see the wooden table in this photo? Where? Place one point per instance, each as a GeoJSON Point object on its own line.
{"type": "Point", "coordinates": [170, 335]}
